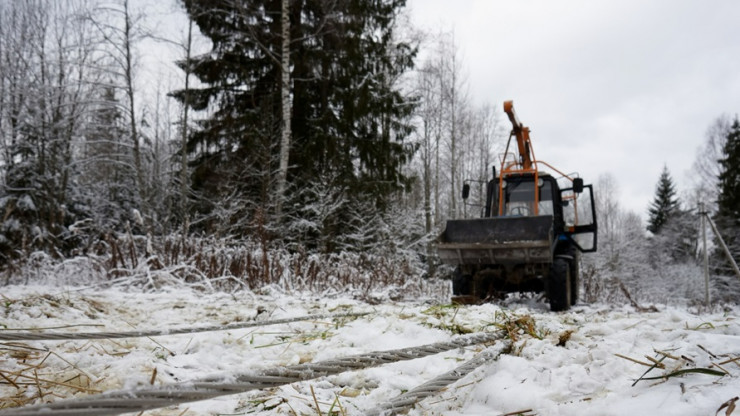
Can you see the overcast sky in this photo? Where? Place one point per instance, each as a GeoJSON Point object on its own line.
{"type": "Point", "coordinates": [619, 86]}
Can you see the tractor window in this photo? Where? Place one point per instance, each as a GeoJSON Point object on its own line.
{"type": "Point", "coordinates": [520, 199]}
{"type": "Point", "coordinates": [578, 210]}
{"type": "Point", "coordinates": [545, 205]}
{"type": "Point", "coordinates": [579, 215]}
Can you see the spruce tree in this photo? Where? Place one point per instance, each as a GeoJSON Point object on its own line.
{"type": "Point", "coordinates": [665, 203]}
{"type": "Point", "coordinates": [349, 118]}
{"type": "Point", "coordinates": [728, 213]}
{"type": "Point", "coordinates": [729, 177]}
{"type": "Point", "coordinates": [231, 148]}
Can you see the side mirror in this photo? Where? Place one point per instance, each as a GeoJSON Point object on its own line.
{"type": "Point", "coordinates": [466, 191]}
{"type": "Point", "coordinates": [578, 185]}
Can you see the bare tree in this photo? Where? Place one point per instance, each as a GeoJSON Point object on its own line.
{"type": "Point", "coordinates": [706, 164]}
{"type": "Point", "coordinates": [481, 131]}
{"type": "Point", "coordinates": [453, 87]}
{"type": "Point", "coordinates": [429, 113]}
{"type": "Point", "coordinates": [185, 130]}
{"type": "Point", "coordinates": [446, 116]}
{"type": "Point", "coordinates": [120, 29]}
{"type": "Point", "coordinates": [608, 211]}
{"type": "Point", "coordinates": [458, 141]}
{"type": "Point", "coordinates": [45, 56]}
{"type": "Point", "coordinates": [17, 48]}
{"type": "Point", "coordinates": [159, 121]}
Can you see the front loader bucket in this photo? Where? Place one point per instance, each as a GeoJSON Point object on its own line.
{"type": "Point", "coordinates": [499, 240]}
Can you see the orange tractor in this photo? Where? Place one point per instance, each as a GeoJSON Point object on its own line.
{"type": "Point", "coordinates": [534, 227]}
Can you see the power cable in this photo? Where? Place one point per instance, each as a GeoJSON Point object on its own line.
{"type": "Point", "coordinates": [147, 398]}
{"type": "Point", "coordinates": [402, 402]}
{"type": "Point", "coordinates": [68, 336]}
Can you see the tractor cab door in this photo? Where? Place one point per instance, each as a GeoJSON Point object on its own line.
{"type": "Point", "coordinates": [579, 214]}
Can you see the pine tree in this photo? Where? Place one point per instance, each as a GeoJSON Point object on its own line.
{"type": "Point", "coordinates": [664, 204]}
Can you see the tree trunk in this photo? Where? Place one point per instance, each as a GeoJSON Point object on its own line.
{"type": "Point", "coordinates": [453, 144]}
{"type": "Point", "coordinates": [134, 134]}
{"type": "Point", "coordinates": [184, 135]}
{"type": "Point", "coordinates": [286, 109]}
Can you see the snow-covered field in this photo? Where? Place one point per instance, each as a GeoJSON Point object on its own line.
{"type": "Point", "coordinates": [566, 364]}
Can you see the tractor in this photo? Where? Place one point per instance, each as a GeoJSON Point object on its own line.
{"type": "Point", "coordinates": [535, 223]}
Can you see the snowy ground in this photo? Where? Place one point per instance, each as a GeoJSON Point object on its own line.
{"type": "Point", "coordinates": [582, 376]}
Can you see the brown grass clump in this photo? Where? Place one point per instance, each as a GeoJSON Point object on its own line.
{"type": "Point", "coordinates": [516, 326]}
{"type": "Point", "coordinates": [37, 380]}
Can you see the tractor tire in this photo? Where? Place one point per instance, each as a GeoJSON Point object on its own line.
{"type": "Point", "coordinates": [559, 285]}
{"type": "Point", "coordinates": [575, 266]}
{"type": "Point", "coordinates": [461, 283]}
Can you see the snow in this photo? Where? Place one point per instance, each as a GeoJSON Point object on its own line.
{"type": "Point", "coordinates": [582, 376]}
{"type": "Point", "coordinates": [25, 203]}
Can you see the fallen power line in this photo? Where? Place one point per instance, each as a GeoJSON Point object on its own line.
{"type": "Point", "coordinates": [402, 402]}
{"type": "Point", "coordinates": [68, 336]}
{"type": "Point", "coordinates": [137, 400]}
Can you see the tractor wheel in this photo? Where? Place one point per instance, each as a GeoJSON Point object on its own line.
{"type": "Point", "coordinates": [575, 276]}
{"type": "Point", "coordinates": [559, 285]}
{"type": "Point", "coordinates": [461, 283]}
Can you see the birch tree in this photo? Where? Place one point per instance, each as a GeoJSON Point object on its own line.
{"type": "Point", "coordinates": [286, 105]}
{"type": "Point", "coordinates": [453, 86]}
{"type": "Point", "coordinates": [483, 138]}
{"type": "Point", "coordinates": [429, 113]}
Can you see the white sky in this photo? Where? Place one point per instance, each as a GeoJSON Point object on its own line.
{"type": "Point", "coordinates": [620, 86]}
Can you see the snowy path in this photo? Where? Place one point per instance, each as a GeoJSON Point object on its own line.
{"type": "Point", "coordinates": [582, 376]}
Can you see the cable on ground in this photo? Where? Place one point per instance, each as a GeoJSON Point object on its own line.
{"type": "Point", "coordinates": [147, 398]}
{"type": "Point", "coordinates": [402, 402]}
{"type": "Point", "coordinates": [70, 336]}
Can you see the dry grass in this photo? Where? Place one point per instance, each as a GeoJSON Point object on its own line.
{"type": "Point", "coordinates": [38, 378]}
{"type": "Point", "coordinates": [517, 326]}
{"type": "Point", "coordinates": [31, 375]}
{"type": "Point", "coordinates": [227, 265]}
{"type": "Point", "coordinates": [677, 366]}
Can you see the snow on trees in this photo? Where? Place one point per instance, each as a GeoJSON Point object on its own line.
{"type": "Point", "coordinates": [664, 204]}
{"type": "Point", "coordinates": [304, 126]}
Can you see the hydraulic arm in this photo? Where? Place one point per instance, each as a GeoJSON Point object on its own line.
{"type": "Point", "coordinates": [521, 133]}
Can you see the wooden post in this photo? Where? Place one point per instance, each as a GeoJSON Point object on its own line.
{"type": "Point", "coordinates": [706, 255]}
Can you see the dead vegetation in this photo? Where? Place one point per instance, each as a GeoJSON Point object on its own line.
{"type": "Point", "coordinates": [517, 326]}
{"type": "Point", "coordinates": [36, 378]}
{"type": "Point", "coordinates": [675, 364]}
{"type": "Point", "coordinates": [221, 265]}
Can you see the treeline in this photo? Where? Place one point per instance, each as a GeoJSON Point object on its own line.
{"type": "Point", "coordinates": [306, 127]}
{"type": "Point", "coordinates": [664, 259]}
{"type": "Point", "coordinates": [321, 125]}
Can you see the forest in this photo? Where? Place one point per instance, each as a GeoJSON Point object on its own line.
{"type": "Point", "coordinates": [290, 145]}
